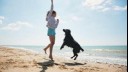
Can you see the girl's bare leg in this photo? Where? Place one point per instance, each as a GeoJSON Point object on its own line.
{"type": "Point", "coordinates": [45, 49]}
{"type": "Point", "coordinates": [52, 40]}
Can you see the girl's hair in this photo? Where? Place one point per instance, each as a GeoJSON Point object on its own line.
{"type": "Point", "coordinates": [53, 12]}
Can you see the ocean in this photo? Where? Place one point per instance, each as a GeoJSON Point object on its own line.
{"type": "Point", "coordinates": [105, 54]}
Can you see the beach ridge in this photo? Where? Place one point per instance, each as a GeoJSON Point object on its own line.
{"type": "Point", "coordinates": [18, 60]}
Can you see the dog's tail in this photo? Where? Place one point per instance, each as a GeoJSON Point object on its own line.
{"type": "Point", "coordinates": [82, 49]}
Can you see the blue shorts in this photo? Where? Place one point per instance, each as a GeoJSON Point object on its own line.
{"type": "Point", "coordinates": [51, 32]}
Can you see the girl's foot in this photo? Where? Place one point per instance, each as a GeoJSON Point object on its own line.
{"type": "Point", "coordinates": [51, 58]}
{"type": "Point", "coordinates": [45, 51]}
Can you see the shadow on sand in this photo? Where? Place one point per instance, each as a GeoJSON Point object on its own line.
{"type": "Point", "coordinates": [50, 63]}
{"type": "Point", "coordinates": [46, 64]}
{"type": "Point", "coordinates": [74, 64]}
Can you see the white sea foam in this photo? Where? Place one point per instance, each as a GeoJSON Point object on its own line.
{"type": "Point", "coordinates": [108, 50]}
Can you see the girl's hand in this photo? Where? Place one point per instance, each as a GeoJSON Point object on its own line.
{"type": "Point", "coordinates": [57, 20]}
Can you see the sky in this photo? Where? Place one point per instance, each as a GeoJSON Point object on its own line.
{"type": "Point", "coordinates": [92, 22]}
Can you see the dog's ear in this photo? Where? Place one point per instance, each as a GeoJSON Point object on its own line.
{"type": "Point", "coordinates": [64, 30]}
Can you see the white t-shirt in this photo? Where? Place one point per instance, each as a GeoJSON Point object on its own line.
{"type": "Point", "coordinates": [52, 22]}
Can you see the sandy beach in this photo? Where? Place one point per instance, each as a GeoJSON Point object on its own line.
{"type": "Point", "coordinates": [18, 60]}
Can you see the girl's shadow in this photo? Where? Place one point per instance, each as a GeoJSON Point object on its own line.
{"type": "Point", "coordinates": [45, 65]}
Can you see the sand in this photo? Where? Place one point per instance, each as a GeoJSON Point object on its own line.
{"type": "Point", "coordinates": [18, 60]}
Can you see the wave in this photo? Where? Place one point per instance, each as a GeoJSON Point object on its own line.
{"type": "Point", "coordinates": [23, 48]}
{"type": "Point", "coordinates": [109, 50]}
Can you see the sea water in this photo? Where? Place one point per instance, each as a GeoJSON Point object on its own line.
{"type": "Point", "coordinates": [105, 54]}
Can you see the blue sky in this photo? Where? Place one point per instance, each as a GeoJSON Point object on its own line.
{"type": "Point", "coordinates": [92, 22]}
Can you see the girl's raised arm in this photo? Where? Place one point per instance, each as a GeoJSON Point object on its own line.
{"type": "Point", "coordinates": [52, 5]}
{"type": "Point", "coordinates": [50, 12]}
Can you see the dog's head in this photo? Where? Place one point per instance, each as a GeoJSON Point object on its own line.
{"type": "Point", "coordinates": [67, 31]}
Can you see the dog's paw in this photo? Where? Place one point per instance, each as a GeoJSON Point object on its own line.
{"type": "Point", "coordinates": [74, 58]}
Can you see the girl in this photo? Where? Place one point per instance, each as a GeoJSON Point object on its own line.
{"type": "Point", "coordinates": [52, 25]}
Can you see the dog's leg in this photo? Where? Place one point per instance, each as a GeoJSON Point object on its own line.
{"type": "Point", "coordinates": [73, 56]}
{"type": "Point", "coordinates": [73, 53]}
{"type": "Point", "coordinates": [76, 56]}
{"type": "Point", "coordinates": [62, 46]}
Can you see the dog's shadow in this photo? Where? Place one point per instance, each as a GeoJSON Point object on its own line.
{"type": "Point", "coordinates": [50, 63]}
{"type": "Point", "coordinates": [75, 64]}
{"type": "Point", "coordinates": [45, 65]}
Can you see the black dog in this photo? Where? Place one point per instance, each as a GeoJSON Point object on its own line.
{"type": "Point", "coordinates": [70, 42]}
